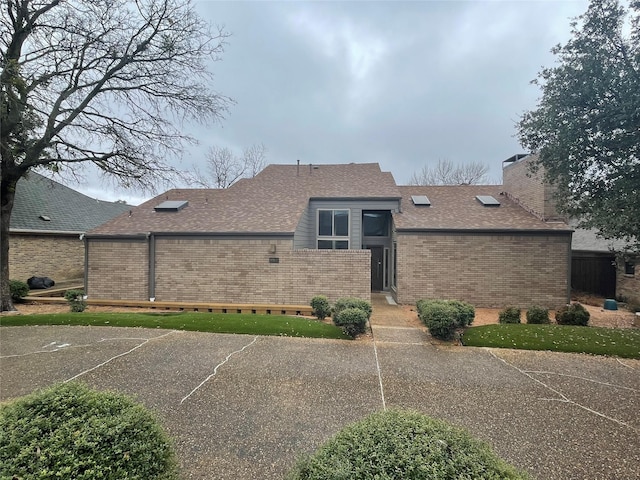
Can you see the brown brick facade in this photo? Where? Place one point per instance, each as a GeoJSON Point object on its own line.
{"type": "Point", "coordinates": [529, 190]}
{"type": "Point", "coordinates": [60, 257]}
{"type": "Point", "coordinates": [628, 285]}
{"type": "Point", "coordinates": [492, 270]}
{"type": "Point", "coordinates": [118, 270]}
{"type": "Point", "coordinates": [227, 271]}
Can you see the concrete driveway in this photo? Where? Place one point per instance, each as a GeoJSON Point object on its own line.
{"type": "Point", "coordinates": [243, 407]}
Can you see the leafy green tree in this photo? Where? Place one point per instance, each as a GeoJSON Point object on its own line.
{"type": "Point", "coordinates": [101, 82]}
{"type": "Point", "coordinates": [586, 126]}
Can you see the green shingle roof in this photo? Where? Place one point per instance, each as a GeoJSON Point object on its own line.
{"type": "Point", "coordinates": [38, 198]}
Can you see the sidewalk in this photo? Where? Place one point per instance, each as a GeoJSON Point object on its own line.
{"type": "Point", "coordinates": [391, 323]}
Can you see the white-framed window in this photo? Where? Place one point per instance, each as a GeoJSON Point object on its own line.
{"type": "Point", "coordinates": [333, 229]}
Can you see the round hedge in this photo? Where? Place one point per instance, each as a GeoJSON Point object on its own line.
{"type": "Point", "coordinates": [71, 431]}
{"type": "Point", "coordinates": [400, 444]}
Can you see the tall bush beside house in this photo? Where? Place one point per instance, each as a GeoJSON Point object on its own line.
{"type": "Point", "coordinates": [509, 315]}
{"type": "Point", "coordinates": [466, 312]}
{"type": "Point", "coordinates": [574, 314]}
{"type": "Point", "coordinates": [321, 307]}
{"type": "Point", "coordinates": [71, 431]}
{"type": "Point", "coordinates": [403, 444]}
{"type": "Point", "coordinates": [538, 315]}
{"type": "Point", "coordinates": [18, 290]}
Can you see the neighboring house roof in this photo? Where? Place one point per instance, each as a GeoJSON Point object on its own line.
{"type": "Point", "coordinates": [587, 240]}
{"type": "Point", "coordinates": [39, 198]}
{"type": "Point", "coordinates": [455, 207]}
{"type": "Point", "coordinates": [271, 202]}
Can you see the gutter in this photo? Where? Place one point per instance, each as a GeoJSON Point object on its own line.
{"type": "Point", "coordinates": [24, 231]}
{"type": "Point", "coordinates": [484, 231]}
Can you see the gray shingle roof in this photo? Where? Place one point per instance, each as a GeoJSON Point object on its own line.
{"type": "Point", "coordinates": [455, 207]}
{"type": "Point", "coordinates": [271, 202]}
{"type": "Point", "coordinates": [67, 209]}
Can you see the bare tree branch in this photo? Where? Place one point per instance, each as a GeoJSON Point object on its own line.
{"type": "Point", "coordinates": [445, 172]}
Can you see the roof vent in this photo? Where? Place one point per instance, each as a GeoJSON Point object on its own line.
{"type": "Point", "coordinates": [45, 218]}
{"type": "Point", "coordinates": [420, 200]}
{"type": "Point", "coordinates": [171, 206]}
{"type": "Point", "coordinates": [488, 200]}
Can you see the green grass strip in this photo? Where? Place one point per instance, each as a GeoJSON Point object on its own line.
{"type": "Point", "coordinates": [250, 324]}
{"type": "Point", "coordinates": [558, 338]}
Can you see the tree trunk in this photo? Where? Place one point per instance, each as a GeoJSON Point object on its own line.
{"type": "Point", "coordinates": [7, 195]}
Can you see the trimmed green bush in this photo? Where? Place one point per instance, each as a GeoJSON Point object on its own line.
{"type": "Point", "coordinates": [321, 307]}
{"type": "Point", "coordinates": [574, 314]}
{"type": "Point", "coordinates": [71, 431]}
{"type": "Point", "coordinates": [353, 321]}
{"type": "Point", "coordinates": [351, 302]}
{"type": "Point", "coordinates": [76, 300]}
{"type": "Point", "coordinates": [538, 315]}
{"type": "Point", "coordinates": [398, 444]}
{"type": "Point", "coordinates": [466, 312]}
{"type": "Point", "coordinates": [439, 316]}
{"type": "Point", "coordinates": [509, 315]}
{"type": "Point", "coordinates": [18, 290]}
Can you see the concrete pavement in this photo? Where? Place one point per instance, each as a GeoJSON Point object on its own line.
{"type": "Point", "coordinates": [244, 407]}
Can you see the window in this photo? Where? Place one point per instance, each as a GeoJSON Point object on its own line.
{"type": "Point", "coordinates": [375, 224]}
{"type": "Point", "coordinates": [333, 229]}
{"type": "Point", "coordinates": [629, 268]}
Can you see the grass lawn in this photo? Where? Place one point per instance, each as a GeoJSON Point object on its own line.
{"type": "Point", "coordinates": [250, 324]}
{"type": "Point", "coordinates": [558, 338]}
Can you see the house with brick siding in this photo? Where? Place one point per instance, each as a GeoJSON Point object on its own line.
{"type": "Point", "coordinates": [295, 231]}
{"type": "Point", "coordinates": [598, 266]}
{"type": "Point", "coordinates": [46, 223]}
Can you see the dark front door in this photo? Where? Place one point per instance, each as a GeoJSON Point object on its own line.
{"type": "Point", "coordinates": [377, 269]}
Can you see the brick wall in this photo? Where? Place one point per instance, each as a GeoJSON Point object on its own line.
{"type": "Point", "coordinates": [627, 285]}
{"type": "Point", "coordinates": [118, 270]}
{"type": "Point", "coordinates": [60, 257]}
{"type": "Point", "coordinates": [529, 189]}
{"type": "Point", "coordinates": [228, 271]}
{"type": "Point", "coordinates": [484, 270]}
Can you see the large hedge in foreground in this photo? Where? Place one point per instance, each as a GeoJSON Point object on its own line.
{"type": "Point", "coordinates": [400, 444]}
{"type": "Point", "coordinates": [70, 431]}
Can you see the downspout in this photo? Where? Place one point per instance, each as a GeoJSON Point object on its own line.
{"type": "Point", "coordinates": [152, 265]}
{"type": "Point", "coordinates": [86, 263]}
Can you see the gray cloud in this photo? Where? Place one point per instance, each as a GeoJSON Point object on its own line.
{"type": "Point", "coordinates": [399, 83]}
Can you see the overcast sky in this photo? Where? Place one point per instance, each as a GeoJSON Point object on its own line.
{"type": "Point", "coordinates": [399, 83]}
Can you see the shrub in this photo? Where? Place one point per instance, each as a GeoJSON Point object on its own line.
{"type": "Point", "coordinates": [353, 321]}
{"type": "Point", "coordinates": [71, 431]}
{"type": "Point", "coordinates": [321, 307]}
{"type": "Point", "coordinates": [509, 315]}
{"type": "Point", "coordinates": [18, 290]}
{"type": "Point", "coordinates": [574, 314]}
{"type": "Point", "coordinates": [439, 316]}
{"type": "Point", "coordinates": [403, 444]}
{"type": "Point", "coordinates": [350, 302]}
{"type": "Point", "coordinates": [466, 312]}
{"type": "Point", "coordinates": [538, 315]}
{"type": "Point", "coordinates": [76, 301]}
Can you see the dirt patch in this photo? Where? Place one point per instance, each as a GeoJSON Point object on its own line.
{"type": "Point", "coordinates": [599, 316]}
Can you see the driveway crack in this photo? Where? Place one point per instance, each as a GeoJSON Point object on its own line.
{"type": "Point", "coordinates": [562, 397]}
{"type": "Point", "coordinates": [215, 370]}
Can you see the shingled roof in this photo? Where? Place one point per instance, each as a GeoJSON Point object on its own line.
{"type": "Point", "coordinates": [44, 205]}
{"type": "Point", "coordinates": [271, 202]}
{"type": "Point", "coordinates": [455, 207]}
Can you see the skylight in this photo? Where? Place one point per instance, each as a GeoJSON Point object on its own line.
{"type": "Point", "coordinates": [488, 200]}
{"type": "Point", "coordinates": [420, 200]}
{"type": "Point", "coordinates": [171, 206]}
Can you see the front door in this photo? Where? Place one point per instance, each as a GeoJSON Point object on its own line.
{"type": "Point", "coordinates": [377, 269]}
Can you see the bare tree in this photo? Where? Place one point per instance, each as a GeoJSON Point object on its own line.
{"type": "Point", "coordinates": [100, 82]}
{"type": "Point", "coordinates": [446, 173]}
{"type": "Point", "coordinates": [224, 168]}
